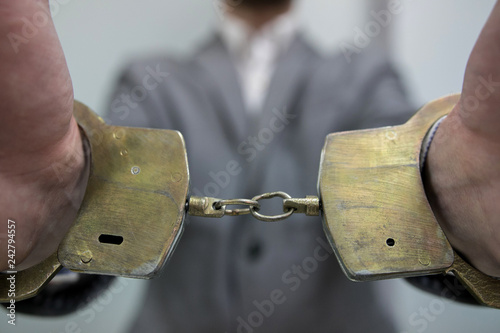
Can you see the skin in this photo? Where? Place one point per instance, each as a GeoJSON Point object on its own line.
{"type": "Point", "coordinates": [258, 12]}
{"type": "Point", "coordinates": [463, 165]}
{"type": "Point", "coordinates": [38, 132]}
{"type": "Point", "coordinates": [41, 156]}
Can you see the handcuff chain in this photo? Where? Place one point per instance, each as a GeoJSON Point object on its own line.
{"type": "Point", "coordinates": [214, 207]}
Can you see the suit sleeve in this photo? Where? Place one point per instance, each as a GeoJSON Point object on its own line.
{"type": "Point", "coordinates": [384, 102]}
{"type": "Point", "coordinates": [381, 99]}
{"type": "Point", "coordinates": [141, 95]}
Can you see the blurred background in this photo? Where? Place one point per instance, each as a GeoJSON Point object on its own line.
{"type": "Point", "coordinates": [430, 42]}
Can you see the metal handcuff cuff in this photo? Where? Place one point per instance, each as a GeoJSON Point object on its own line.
{"type": "Point", "coordinates": [375, 212]}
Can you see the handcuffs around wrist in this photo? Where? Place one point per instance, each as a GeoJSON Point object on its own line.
{"type": "Point", "coordinates": [375, 212]}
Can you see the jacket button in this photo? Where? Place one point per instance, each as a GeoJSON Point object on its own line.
{"type": "Point", "coordinates": [254, 251]}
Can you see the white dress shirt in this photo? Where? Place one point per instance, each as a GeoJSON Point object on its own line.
{"type": "Point", "coordinates": [255, 53]}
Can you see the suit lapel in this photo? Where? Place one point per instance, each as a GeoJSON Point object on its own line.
{"type": "Point", "coordinates": [224, 87]}
{"type": "Point", "coordinates": [285, 92]}
{"type": "Point", "coordinates": [290, 74]}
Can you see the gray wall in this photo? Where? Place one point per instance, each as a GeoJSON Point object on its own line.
{"type": "Point", "coordinates": [431, 42]}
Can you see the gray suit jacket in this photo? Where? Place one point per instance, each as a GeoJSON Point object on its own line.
{"type": "Point", "coordinates": [238, 274]}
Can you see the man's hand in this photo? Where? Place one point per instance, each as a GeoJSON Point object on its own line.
{"type": "Point", "coordinates": [463, 165]}
{"type": "Point", "coordinates": [42, 169]}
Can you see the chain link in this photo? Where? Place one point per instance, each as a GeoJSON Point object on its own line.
{"type": "Point", "coordinates": [273, 218]}
{"type": "Point", "coordinates": [252, 204]}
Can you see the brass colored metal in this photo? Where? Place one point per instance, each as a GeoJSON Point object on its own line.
{"type": "Point", "coordinates": [275, 218]}
{"type": "Point", "coordinates": [308, 205]}
{"type": "Point", "coordinates": [132, 214]}
{"type": "Point", "coordinates": [375, 211]}
{"type": "Point", "coordinates": [205, 207]}
{"type": "Point", "coordinates": [236, 212]}
{"type": "Point", "coordinates": [484, 288]}
{"type": "Point", "coordinates": [29, 282]}
{"type": "Point", "coordinates": [214, 207]}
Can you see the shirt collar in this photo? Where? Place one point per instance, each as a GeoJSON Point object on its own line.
{"type": "Point", "coordinates": [237, 35]}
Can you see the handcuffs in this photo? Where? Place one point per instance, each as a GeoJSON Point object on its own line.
{"type": "Point", "coordinates": [375, 212]}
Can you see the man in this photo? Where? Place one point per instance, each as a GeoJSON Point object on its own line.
{"type": "Point", "coordinates": [241, 275]}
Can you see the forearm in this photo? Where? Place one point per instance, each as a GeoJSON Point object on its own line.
{"type": "Point", "coordinates": [462, 171]}
{"type": "Point", "coordinates": [35, 86]}
{"type": "Point", "coordinates": [42, 173]}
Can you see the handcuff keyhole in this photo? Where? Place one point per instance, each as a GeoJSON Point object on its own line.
{"type": "Point", "coordinates": [110, 239]}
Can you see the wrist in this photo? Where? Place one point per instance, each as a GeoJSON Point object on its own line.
{"type": "Point", "coordinates": [44, 203]}
{"type": "Point", "coordinates": [458, 189]}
